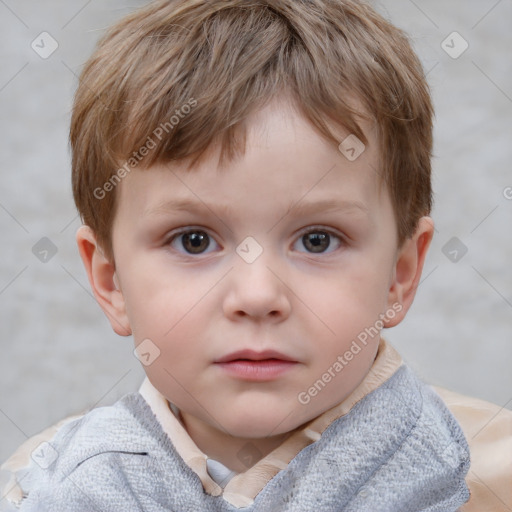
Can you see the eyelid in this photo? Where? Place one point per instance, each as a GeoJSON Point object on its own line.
{"type": "Point", "coordinates": [341, 242]}
{"type": "Point", "coordinates": [330, 231]}
{"type": "Point", "coordinates": [179, 231]}
{"type": "Point", "coordinates": [176, 233]}
{"type": "Point", "coordinates": [316, 226]}
{"type": "Point", "coordinates": [185, 229]}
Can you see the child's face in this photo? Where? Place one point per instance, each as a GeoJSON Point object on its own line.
{"type": "Point", "coordinates": [200, 298]}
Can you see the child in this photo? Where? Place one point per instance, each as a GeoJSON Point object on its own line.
{"type": "Point", "coordinates": [254, 181]}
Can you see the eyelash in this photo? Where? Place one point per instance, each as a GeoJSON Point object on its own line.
{"type": "Point", "coordinates": [312, 229]}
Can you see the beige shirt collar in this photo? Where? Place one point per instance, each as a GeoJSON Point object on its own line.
{"type": "Point", "coordinates": [241, 490]}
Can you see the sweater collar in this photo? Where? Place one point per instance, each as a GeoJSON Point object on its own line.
{"type": "Point", "coordinates": [241, 489]}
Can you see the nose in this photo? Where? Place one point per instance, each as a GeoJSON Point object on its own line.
{"type": "Point", "coordinates": [257, 291]}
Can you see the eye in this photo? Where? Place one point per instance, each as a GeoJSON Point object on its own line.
{"type": "Point", "coordinates": [317, 241]}
{"type": "Point", "coordinates": [192, 241]}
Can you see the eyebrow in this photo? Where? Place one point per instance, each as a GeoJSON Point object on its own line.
{"type": "Point", "coordinates": [328, 205]}
{"type": "Point", "coordinates": [298, 208]}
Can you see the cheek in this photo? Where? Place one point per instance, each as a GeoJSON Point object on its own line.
{"type": "Point", "coordinates": [175, 324]}
{"type": "Point", "coordinates": [161, 303]}
{"type": "Point", "coordinates": [349, 302]}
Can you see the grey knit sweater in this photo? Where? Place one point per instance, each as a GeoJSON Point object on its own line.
{"type": "Point", "coordinates": [398, 450]}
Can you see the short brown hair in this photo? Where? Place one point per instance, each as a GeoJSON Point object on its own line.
{"type": "Point", "coordinates": [227, 58]}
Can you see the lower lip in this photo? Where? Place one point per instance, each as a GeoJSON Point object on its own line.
{"type": "Point", "coordinates": [267, 369]}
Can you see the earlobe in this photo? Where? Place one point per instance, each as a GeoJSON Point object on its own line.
{"type": "Point", "coordinates": [408, 268]}
{"type": "Point", "coordinates": [103, 280]}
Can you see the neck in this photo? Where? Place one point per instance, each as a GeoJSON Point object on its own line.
{"type": "Point", "coordinates": [236, 453]}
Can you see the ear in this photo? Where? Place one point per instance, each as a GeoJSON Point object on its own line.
{"type": "Point", "coordinates": [407, 271]}
{"type": "Point", "coordinates": [103, 280]}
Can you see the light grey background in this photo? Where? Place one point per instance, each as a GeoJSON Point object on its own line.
{"type": "Point", "coordinates": [58, 354]}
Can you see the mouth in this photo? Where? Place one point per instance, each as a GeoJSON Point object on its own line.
{"type": "Point", "coordinates": [256, 366]}
{"type": "Point", "coordinates": [253, 355]}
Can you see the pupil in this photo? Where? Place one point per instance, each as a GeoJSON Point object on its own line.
{"type": "Point", "coordinates": [317, 242]}
{"type": "Point", "coordinates": [196, 242]}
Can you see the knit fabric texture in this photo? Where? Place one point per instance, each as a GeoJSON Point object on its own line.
{"type": "Point", "coordinates": [398, 450]}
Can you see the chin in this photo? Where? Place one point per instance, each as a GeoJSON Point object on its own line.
{"type": "Point", "coordinates": [252, 430]}
{"type": "Point", "coordinates": [262, 423]}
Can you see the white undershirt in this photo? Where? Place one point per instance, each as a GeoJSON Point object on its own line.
{"type": "Point", "coordinates": [218, 472]}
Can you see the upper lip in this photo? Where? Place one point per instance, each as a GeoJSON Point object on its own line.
{"type": "Point", "coordinates": [254, 355]}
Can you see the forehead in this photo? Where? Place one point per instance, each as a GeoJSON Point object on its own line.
{"type": "Point", "coordinates": [286, 164]}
